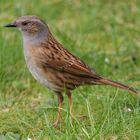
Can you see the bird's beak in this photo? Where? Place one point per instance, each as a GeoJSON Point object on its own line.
{"type": "Point", "coordinates": [11, 25]}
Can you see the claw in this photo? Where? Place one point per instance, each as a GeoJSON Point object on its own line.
{"type": "Point", "coordinates": [56, 123]}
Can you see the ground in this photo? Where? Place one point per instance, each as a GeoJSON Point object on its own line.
{"type": "Point", "coordinates": [106, 35]}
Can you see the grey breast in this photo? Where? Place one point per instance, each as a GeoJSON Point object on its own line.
{"type": "Point", "coordinates": [35, 70]}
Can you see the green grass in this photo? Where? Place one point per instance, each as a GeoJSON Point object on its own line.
{"type": "Point", "coordinates": [106, 35]}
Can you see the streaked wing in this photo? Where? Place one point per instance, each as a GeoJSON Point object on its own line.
{"type": "Point", "coordinates": [67, 62]}
{"type": "Point", "coordinates": [70, 67]}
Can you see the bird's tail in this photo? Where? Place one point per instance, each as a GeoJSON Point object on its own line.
{"type": "Point", "coordinates": [105, 81]}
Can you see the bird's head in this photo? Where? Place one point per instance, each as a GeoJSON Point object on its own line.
{"type": "Point", "coordinates": [30, 26]}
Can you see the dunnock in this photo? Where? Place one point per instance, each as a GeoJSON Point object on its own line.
{"type": "Point", "coordinates": [54, 66]}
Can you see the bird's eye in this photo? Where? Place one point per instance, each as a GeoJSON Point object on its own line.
{"type": "Point", "coordinates": [24, 23]}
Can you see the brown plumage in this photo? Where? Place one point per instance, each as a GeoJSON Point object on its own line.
{"type": "Point", "coordinates": [54, 66]}
{"type": "Point", "coordinates": [71, 71]}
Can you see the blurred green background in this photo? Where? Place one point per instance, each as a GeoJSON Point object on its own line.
{"type": "Point", "coordinates": [106, 35]}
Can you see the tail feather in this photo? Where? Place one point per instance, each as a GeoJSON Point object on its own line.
{"type": "Point", "coordinates": [105, 81]}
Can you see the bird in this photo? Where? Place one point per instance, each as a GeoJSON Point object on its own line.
{"type": "Point", "coordinates": [53, 65]}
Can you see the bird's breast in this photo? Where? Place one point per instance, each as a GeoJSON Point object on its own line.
{"type": "Point", "coordinates": [35, 70]}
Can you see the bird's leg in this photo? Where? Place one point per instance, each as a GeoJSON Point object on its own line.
{"type": "Point", "coordinates": [60, 101]}
{"type": "Point", "coordinates": [70, 102]}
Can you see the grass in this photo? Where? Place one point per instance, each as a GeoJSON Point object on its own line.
{"type": "Point", "coordinates": [106, 36]}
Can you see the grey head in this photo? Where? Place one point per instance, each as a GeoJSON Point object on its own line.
{"type": "Point", "coordinates": [32, 27]}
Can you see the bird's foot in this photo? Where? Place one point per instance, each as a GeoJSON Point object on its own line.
{"type": "Point", "coordinates": [71, 116]}
{"type": "Point", "coordinates": [82, 117]}
{"type": "Point", "coordinates": [56, 123]}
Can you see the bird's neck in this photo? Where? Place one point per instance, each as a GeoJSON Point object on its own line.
{"type": "Point", "coordinates": [35, 39]}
